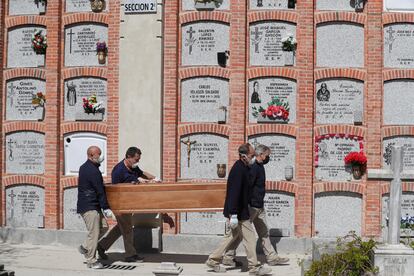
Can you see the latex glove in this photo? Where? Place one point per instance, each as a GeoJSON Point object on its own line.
{"type": "Point", "coordinates": [234, 222]}
{"type": "Point", "coordinates": [156, 179]}
{"type": "Point", "coordinates": [108, 214]}
{"type": "Point", "coordinates": [142, 180]}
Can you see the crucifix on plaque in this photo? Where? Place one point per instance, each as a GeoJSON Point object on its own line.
{"type": "Point", "coordinates": [257, 37]}
{"type": "Point", "coordinates": [188, 143]}
{"type": "Point", "coordinates": [70, 40]}
{"type": "Point", "coordinates": [11, 94]}
{"type": "Point", "coordinates": [10, 146]}
{"type": "Point", "coordinates": [12, 196]}
{"type": "Point", "coordinates": [190, 40]}
{"type": "Point", "coordinates": [390, 39]}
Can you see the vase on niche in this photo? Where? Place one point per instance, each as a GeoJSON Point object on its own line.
{"type": "Point", "coordinates": [357, 171]}
{"type": "Point", "coordinates": [101, 57]}
{"type": "Point", "coordinates": [221, 170]}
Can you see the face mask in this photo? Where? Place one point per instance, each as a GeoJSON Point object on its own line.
{"type": "Point", "coordinates": [100, 159]}
{"type": "Point", "coordinates": [266, 160]}
{"type": "Point", "coordinates": [252, 161]}
{"type": "Point", "coordinates": [135, 165]}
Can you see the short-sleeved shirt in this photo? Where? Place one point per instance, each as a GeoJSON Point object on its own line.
{"type": "Point", "coordinates": [121, 174]}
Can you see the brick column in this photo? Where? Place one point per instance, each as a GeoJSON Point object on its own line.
{"type": "Point", "coordinates": [3, 87]}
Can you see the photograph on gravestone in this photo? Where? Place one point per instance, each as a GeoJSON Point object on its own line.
{"type": "Point", "coordinates": [280, 213]}
{"type": "Point", "coordinates": [71, 219]}
{"type": "Point", "coordinates": [336, 5]}
{"type": "Point", "coordinates": [398, 102]}
{"type": "Point", "coordinates": [337, 213]}
{"type": "Point", "coordinates": [193, 5]}
{"type": "Point", "coordinates": [26, 7]}
{"type": "Point", "coordinates": [80, 6]}
{"type": "Point", "coordinates": [397, 41]}
{"type": "Point", "coordinates": [25, 152]}
{"type": "Point", "coordinates": [20, 93]}
{"type": "Point", "coordinates": [80, 43]}
{"type": "Point", "coordinates": [202, 223]}
{"type": "Point", "coordinates": [339, 101]}
{"type": "Point", "coordinates": [264, 90]}
{"type": "Point", "coordinates": [340, 44]}
{"type": "Point", "coordinates": [266, 42]}
{"type": "Point", "coordinates": [202, 41]}
{"type": "Point", "coordinates": [404, 141]}
{"type": "Point", "coordinates": [80, 88]}
{"type": "Point", "coordinates": [203, 156]}
{"type": "Point", "coordinates": [330, 152]}
{"type": "Point", "coordinates": [25, 206]}
{"type": "Point", "coordinates": [283, 153]}
{"type": "Point", "coordinates": [202, 99]}
{"type": "Point", "coordinates": [407, 214]}
{"type": "Point", "coordinates": [19, 47]}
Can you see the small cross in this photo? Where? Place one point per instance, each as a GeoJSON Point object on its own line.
{"type": "Point", "coordinates": [190, 40]}
{"type": "Point", "coordinates": [12, 196]}
{"type": "Point", "coordinates": [257, 37]}
{"type": "Point", "coordinates": [70, 40]}
{"type": "Point", "coordinates": [188, 143]}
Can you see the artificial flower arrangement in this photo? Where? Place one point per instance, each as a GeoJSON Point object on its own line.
{"type": "Point", "coordinates": [358, 162]}
{"type": "Point", "coordinates": [289, 43]}
{"type": "Point", "coordinates": [38, 100]}
{"type": "Point", "coordinates": [276, 109]}
{"type": "Point", "coordinates": [39, 43]}
{"type": "Point", "coordinates": [91, 105]}
{"type": "Point", "coordinates": [101, 47]}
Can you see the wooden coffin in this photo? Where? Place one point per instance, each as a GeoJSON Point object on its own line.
{"type": "Point", "coordinates": [166, 197]}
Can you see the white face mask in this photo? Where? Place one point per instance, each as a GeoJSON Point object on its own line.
{"type": "Point", "coordinates": [251, 162]}
{"type": "Point", "coordinates": [100, 159]}
{"type": "Point", "coordinates": [135, 165]}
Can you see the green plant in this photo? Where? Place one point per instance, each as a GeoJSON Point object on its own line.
{"type": "Point", "coordinates": [353, 258]}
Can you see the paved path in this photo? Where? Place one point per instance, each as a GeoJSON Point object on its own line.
{"type": "Point", "coordinates": [58, 260]}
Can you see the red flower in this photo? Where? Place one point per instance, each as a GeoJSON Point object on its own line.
{"type": "Point", "coordinates": [356, 158]}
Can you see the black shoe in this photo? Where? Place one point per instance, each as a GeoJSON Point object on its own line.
{"type": "Point", "coordinates": [135, 258]}
{"type": "Point", "coordinates": [101, 253]}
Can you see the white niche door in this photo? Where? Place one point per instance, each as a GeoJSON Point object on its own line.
{"type": "Point", "coordinates": [76, 146]}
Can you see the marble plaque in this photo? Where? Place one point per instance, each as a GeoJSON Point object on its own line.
{"type": "Point", "coordinates": [202, 41]}
{"type": "Point", "coordinates": [200, 155]}
{"type": "Point", "coordinates": [335, 5]}
{"type": "Point", "coordinates": [393, 5]}
{"type": "Point", "coordinates": [407, 209]}
{"type": "Point", "coordinates": [80, 44]}
{"type": "Point", "coordinates": [25, 153]}
{"type": "Point", "coordinates": [405, 141]}
{"type": "Point", "coordinates": [337, 213]}
{"type": "Point", "coordinates": [202, 223]}
{"type": "Point", "coordinates": [337, 100]}
{"type": "Point", "coordinates": [339, 44]}
{"type": "Point", "coordinates": [263, 90]}
{"type": "Point", "coordinates": [75, 147]}
{"type": "Point", "coordinates": [266, 42]}
{"type": "Point", "coordinates": [19, 99]}
{"type": "Point", "coordinates": [331, 154]}
{"type": "Point", "coordinates": [398, 39]}
{"type": "Point", "coordinates": [71, 219]}
{"type": "Point", "coordinates": [78, 88]}
{"type": "Point", "coordinates": [398, 108]}
{"type": "Point", "coordinates": [19, 48]}
{"type": "Point", "coordinates": [204, 99]}
{"type": "Point", "coordinates": [25, 206]}
{"type": "Point", "coordinates": [280, 212]}
{"type": "Point", "coordinates": [23, 7]}
{"type": "Point", "coordinates": [283, 153]}
{"type": "Point", "coordinates": [188, 5]}
{"type": "Point", "coordinates": [80, 6]}
{"type": "Point", "coordinates": [269, 4]}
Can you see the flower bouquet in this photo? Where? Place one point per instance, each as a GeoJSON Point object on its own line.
{"type": "Point", "coordinates": [38, 100]}
{"type": "Point", "coordinates": [39, 43]}
{"type": "Point", "coordinates": [289, 43]}
{"type": "Point", "coordinates": [91, 105]}
{"type": "Point", "coordinates": [277, 110]}
{"type": "Point", "coordinates": [358, 162]}
{"type": "Point", "coordinates": [101, 51]}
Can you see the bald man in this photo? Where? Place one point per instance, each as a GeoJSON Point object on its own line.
{"type": "Point", "coordinates": [91, 200]}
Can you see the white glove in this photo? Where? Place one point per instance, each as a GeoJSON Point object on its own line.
{"type": "Point", "coordinates": [108, 213]}
{"type": "Point", "coordinates": [156, 179]}
{"type": "Point", "coordinates": [234, 222]}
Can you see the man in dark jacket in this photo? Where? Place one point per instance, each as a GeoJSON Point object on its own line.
{"type": "Point", "coordinates": [236, 209]}
{"type": "Point", "coordinates": [91, 200]}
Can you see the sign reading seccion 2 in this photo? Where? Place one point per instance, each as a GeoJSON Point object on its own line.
{"type": "Point", "coordinates": [140, 6]}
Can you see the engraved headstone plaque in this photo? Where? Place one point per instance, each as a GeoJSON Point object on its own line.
{"type": "Point", "coordinates": [269, 4]}
{"type": "Point", "coordinates": [202, 223]}
{"type": "Point", "coordinates": [398, 39]}
{"type": "Point", "coordinates": [407, 210]}
{"type": "Point", "coordinates": [25, 7]}
{"type": "Point", "coordinates": [80, 6]}
{"type": "Point", "coordinates": [335, 5]}
{"type": "Point", "coordinates": [404, 141]}
{"type": "Point", "coordinates": [280, 212]}
{"type": "Point", "coordinates": [189, 5]}
{"type": "Point", "coordinates": [71, 219]}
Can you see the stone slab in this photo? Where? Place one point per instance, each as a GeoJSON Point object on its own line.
{"type": "Point", "coordinates": [80, 6]}
{"type": "Point", "coordinates": [25, 206]}
{"type": "Point", "coordinates": [392, 5]}
{"type": "Point", "coordinates": [207, 151]}
{"type": "Point", "coordinates": [71, 219]}
{"type": "Point", "coordinates": [202, 97]}
{"type": "Point", "coordinates": [335, 5]}
{"type": "Point", "coordinates": [266, 42]}
{"type": "Point", "coordinates": [25, 153]}
{"type": "Point", "coordinates": [202, 41]}
{"type": "Point", "coordinates": [204, 223]}
{"type": "Point", "coordinates": [339, 44]}
{"type": "Point", "coordinates": [83, 87]}
{"type": "Point", "coordinates": [19, 47]}
{"type": "Point", "coordinates": [283, 153]}
{"type": "Point", "coordinates": [407, 142]}
{"type": "Point", "coordinates": [268, 4]}
{"type": "Point", "coordinates": [24, 7]}
{"type": "Point", "coordinates": [188, 5]}
{"type": "Point", "coordinates": [262, 90]}
{"type": "Point", "coordinates": [394, 260]}
{"type": "Point", "coordinates": [398, 39]}
{"type": "Point", "coordinates": [331, 155]}
{"type": "Point", "coordinates": [19, 99]}
{"type": "Point", "coordinates": [398, 98]}
{"type": "Point", "coordinates": [80, 44]}
{"type": "Point", "coordinates": [337, 100]}
{"type": "Point", "coordinates": [280, 213]}
{"type": "Point", "coordinates": [337, 213]}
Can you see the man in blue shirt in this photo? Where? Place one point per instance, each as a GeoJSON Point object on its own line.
{"type": "Point", "coordinates": [126, 171]}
